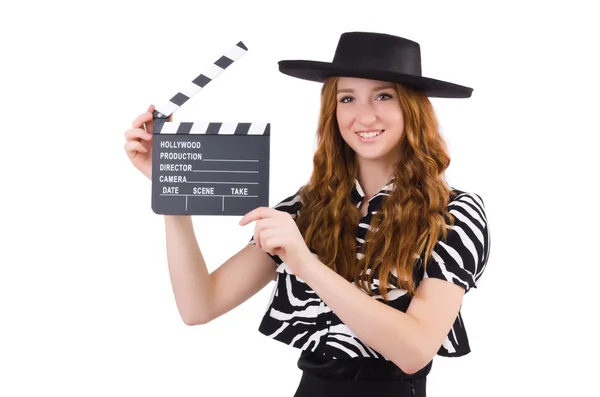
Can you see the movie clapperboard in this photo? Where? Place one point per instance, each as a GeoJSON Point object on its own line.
{"type": "Point", "coordinates": [208, 168]}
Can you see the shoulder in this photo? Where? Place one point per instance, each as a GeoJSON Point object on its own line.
{"type": "Point", "coordinates": [467, 207]}
{"type": "Point", "coordinates": [462, 196]}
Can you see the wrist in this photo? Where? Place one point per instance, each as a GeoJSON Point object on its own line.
{"type": "Point", "coordinates": [307, 262]}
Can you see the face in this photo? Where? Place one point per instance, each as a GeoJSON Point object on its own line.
{"type": "Point", "coordinates": [370, 118]}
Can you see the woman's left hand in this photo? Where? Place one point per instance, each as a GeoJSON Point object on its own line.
{"type": "Point", "coordinates": [276, 233]}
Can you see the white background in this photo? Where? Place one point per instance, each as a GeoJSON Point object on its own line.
{"type": "Point", "coordinates": [86, 307]}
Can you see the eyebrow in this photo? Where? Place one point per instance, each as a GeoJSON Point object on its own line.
{"type": "Point", "coordinates": [381, 87]}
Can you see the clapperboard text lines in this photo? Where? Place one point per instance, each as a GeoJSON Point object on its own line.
{"type": "Point", "coordinates": [236, 192]}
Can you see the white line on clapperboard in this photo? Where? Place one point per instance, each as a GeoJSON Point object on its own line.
{"type": "Point", "coordinates": [205, 195]}
{"type": "Point", "coordinates": [254, 161]}
{"type": "Point", "coordinates": [240, 171]}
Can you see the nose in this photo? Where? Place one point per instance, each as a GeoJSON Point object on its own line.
{"type": "Point", "coordinates": [365, 114]}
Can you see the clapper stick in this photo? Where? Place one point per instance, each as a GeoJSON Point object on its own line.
{"type": "Point", "coordinates": [215, 69]}
{"type": "Point", "coordinates": [208, 168]}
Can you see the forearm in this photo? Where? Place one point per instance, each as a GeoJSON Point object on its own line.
{"type": "Point", "coordinates": [190, 279]}
{"type": "Point", "coordinates": [391, 332]}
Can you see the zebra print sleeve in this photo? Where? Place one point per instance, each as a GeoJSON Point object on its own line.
{"type": "Point", "coordinates": [292, 206]}
{"type": "Point", "coordinates": [462, 257]}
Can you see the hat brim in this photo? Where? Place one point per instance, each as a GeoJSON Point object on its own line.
{"type": "Point", "coordinates": [320, 71]}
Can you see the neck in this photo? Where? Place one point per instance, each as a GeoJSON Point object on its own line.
{"type": "Point", "coordinates": [373, 175]}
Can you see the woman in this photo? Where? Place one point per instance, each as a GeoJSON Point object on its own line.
{"type": "Point", "coordinates": [373, 256]}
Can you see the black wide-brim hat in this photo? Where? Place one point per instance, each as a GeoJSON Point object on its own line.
{"type": "Point", "coordinates": [375, 56]}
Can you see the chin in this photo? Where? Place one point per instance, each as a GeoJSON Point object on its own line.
{"type": "Point", "coordinates": [371, 156]}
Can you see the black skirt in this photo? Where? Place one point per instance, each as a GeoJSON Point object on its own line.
{"type": "Point", "coordinates": [313, 386]}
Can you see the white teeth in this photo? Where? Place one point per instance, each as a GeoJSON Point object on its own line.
{"type": "Point", "coordinates": [369, 134]}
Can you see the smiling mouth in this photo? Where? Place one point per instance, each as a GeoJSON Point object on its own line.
{"type": "Point", "coordinates": [370, 134]}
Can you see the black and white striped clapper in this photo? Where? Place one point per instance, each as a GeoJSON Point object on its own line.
{"type": "Point", "coordinates": [208, 168]}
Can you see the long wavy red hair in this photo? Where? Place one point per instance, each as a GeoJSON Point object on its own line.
{"type": "Point", "coordinates": [412, 218]}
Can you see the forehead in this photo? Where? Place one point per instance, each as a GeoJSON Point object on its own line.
{"type": "Point", "coordinates": [355, 83]}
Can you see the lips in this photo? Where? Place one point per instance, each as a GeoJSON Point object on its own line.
{"type": "Point", "coordinates": [369, 134]}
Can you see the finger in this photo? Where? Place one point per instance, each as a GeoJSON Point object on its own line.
{"type": "Point", "coordinates": [271, 241]}
{"type": "Point", "coordinates": [149, 125]}
{"type": "Point", "coordinates": [258, 229]}
{"type": "Point", "coordinates": [249, 217]}
{"type": "Point", "coordinates": [141, 120]}
{"type": "Point", "coordinates": [256, 214]}
{"type": "Point", "coordinates": [133, 148]}
{"type": "Point", "coordinates": [137, 133]}
{"type": "Point", "coordinates": [262, 226]}
{"type": "Point", "coordinates": [256, 236]}
{"type": "Point", "coordinates": [268, 226]}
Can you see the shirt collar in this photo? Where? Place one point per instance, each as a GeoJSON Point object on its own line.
{"type": "Point", "coordinates": [358, 193]}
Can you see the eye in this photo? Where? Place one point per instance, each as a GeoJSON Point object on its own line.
{"type": "Point", "coordinates": [386, 95]}
{"type": "Point", "coordinates": [344, 98]}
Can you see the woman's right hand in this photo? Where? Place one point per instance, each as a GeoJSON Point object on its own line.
{"type": "Point", "coordinates": [138, 142]}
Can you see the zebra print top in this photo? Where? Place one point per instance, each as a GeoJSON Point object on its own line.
{"type": "Point", "coordinates": [295, 314]}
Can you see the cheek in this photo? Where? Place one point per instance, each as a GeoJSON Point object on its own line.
{"type": "Point", "coordinates": [397, 120]}
{"type": "Point", "coordinates": [344, 122]}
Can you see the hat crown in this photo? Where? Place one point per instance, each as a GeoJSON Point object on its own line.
{"type": "Point", "coordinates": [380, 51]}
